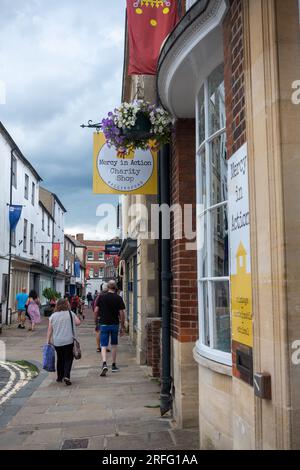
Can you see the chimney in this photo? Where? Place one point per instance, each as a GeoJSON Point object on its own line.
{"type": "Point", "coordinates": [80, 237]}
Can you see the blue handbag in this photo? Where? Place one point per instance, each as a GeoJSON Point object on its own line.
{"type": "Point", "coordinates": [49, 358]}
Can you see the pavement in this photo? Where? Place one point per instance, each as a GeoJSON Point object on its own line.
{"type": "Point", "coordinates": [116, 412]}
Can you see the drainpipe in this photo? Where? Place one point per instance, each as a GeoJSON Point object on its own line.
{"type": "Point", "coordinates": [10, 234]}
{"type": "Point", "coordinates": [165, 291]}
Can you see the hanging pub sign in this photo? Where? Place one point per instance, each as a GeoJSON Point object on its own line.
{"type": "Point", "coordinates": [240, 257]}
{"type": "Point", "coordinates": [14, 215]}
{"type": "Point", "coordinates": [114, 173]}
{"type": "Point", "coordinates": [55, 254]}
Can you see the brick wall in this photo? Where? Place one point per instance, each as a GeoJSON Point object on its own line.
{"type": "Point", "coordinates": [184, 321]}
{"type": "Point", "coordinates": [153, 352]}
{"type": "Point", "coordinates": [235, 100]}
{"type": "Point", "coordinates": [234, 77]}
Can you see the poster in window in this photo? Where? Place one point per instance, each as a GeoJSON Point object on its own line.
{"type": "Point", "coordinates": [240, 256]}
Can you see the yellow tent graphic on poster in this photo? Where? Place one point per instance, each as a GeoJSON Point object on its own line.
{"type": "Point", "coordinates": [241, 300]}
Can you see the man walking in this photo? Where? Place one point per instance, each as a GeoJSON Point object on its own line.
{"type": "Point", "coordinates": [21, 299]}
{"type": "Point", "coordinates": [110, 309]}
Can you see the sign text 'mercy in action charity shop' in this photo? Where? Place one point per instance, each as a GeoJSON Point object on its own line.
{"type": "Point", "coordinates": [134, 174]}
{"type": "Point", "coordinates": [239, 238]}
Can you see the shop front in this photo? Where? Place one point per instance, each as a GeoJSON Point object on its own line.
{"type": "Point", "coordinates": [225, 75]}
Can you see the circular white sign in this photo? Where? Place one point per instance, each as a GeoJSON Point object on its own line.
{"type": "Point", "coordinates": [124, 174]}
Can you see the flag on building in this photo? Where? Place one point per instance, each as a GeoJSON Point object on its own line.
{"type": "Point", "coordinates": [149, 23]}
{"type": "Point", "coordinates": [55, 255]}
{"type": "Point", "coordinates": [14, 215]}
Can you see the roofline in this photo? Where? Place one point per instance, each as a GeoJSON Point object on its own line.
{"type": "Point", "coordinates": [46, 210]}
{"type": "Point", "coordinates": [56, 198]}
{"type": "Point", "coordinates": [78, 243]}
{"type": "Point", "coordinates": [17, 149]}
{"type": "Point", "coordinates": [70, 239]}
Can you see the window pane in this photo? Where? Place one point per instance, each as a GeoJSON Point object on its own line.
{"type": "Point", "coordinates": [219, 242]}
{"type": "Point", "coordinates": [216, 105]}
{"type": "Point", "coordinates": [202, 245]}
{"type": "Point", "coordinates": [201, 116]}
{"type": "Point", "coordinates": [218, 170]}
{"type": "Point", "coordinates": [222, 334]}
{"type": "Point", "coordinates": [202, 178]}
{"type": "Point", "coordinates": [205, 313]}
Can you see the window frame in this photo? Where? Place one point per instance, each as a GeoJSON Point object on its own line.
{"type": "Point", "coordinates": [25, 235]}
{"type": "Point", "coordinates": [26, 187]}
{"type": "Point", "coordinates": [207, 211]}
{"type": "Point", "coordinates": [31, 239]}
{"type": "Point", "coordinates": [33, 193]}
{"type": "Point", "coordinates": [92, 258]}
{"type": "Point", "coordinates": [14, 169]}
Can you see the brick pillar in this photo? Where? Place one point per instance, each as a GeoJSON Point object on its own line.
{"type": "Point", "coordinates": [184, 319]}
{"type": "Point", "coordinates": [184, 262]}
{"type": "Point", "coordinates": [153, 328]}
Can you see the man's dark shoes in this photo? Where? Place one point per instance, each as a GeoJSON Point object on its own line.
{"type": "Point", "coordinates": [104, 370]}
{"type": "Point", "coordinates": [114, 368]}
{"type": "Point", "coordinates": [67, 381]}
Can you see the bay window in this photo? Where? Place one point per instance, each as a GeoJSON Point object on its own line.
{"type": "Point", "coordinates": [212, 221]}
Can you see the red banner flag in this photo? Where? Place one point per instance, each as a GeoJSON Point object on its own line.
{"type": "Point", "coordinates": [149, 23]}
{"type": "Point", "coordinates": [55, 254]}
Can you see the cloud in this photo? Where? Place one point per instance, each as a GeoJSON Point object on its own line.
{"type": "Point", "coordinates": [62, 65]}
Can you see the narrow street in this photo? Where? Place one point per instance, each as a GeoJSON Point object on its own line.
{"type": "Point", "coordinates": [120, 411]}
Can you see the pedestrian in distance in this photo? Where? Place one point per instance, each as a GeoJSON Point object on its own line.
{"type": "Point", "coordinates": [60, 334]}
{"type": "Point", "coordinates": [33, 309]}
{"type": "Point", "coordinates": [80, 309]}
{"type": "Point", "coordinates": [75, 304]}
{"type": "Point", "coordinates": [21, 299]}
{"type": "Point", "coordinates": [111, 311]}
{"type": "Point", "coordinates": [89, 299]}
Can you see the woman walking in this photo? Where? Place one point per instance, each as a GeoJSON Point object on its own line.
{"type": "Point", "coordinates": [60, 330]}
{"type": "Point", "coordinates": [33, 309]}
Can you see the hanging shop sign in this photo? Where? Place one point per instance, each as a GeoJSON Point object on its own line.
{"type": "Point", "coordinates": [55, 254]}
{"type": "Point", "coordinates": [112, 248]}
{"type": "Point", "coordinates": [240, 256]}
{"type": "Point", "coordinates": [114, 173]}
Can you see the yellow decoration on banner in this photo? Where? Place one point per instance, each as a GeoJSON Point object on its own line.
{"type": "Point", "coordinates": [152, 3]}
{"type": "Point", "coordinates": [139, 11]}
{"type": "Point", "coordinates": [153, 23]}
{"type": "Point", "coordinates": [166, 11]}
{"type": "Point", "coordinates": [241, 300]}
{"type": "Point", "coordinates": [113, 171]}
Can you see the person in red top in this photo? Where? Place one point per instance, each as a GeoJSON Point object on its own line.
{"type": "Point", "coordinates": [75, 304]}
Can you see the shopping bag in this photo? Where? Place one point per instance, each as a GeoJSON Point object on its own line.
{"type": "Point", "coordinates": [49, 358]}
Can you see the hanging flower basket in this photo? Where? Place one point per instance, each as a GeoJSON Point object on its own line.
{"type": "Point", "coordinates": [137, 125]}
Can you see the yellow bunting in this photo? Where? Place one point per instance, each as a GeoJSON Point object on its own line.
{"type": "Point", "coordinates": [166, 11]}
{"type": "Point", "coordinates": [139, 11]}
{"type": "Point", "coordinates": [153, 23]}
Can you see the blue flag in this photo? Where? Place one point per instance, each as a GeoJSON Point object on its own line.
{"type": "Point", "coordinates": [77, 268]}
{"type": "Point", "coordinates": [14, 215]}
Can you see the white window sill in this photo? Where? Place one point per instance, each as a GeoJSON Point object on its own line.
{"type": "Point", "coordinates": [212, 361]}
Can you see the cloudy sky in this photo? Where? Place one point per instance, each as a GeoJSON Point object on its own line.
{"type": "Point", "coordinates": [61, 62]}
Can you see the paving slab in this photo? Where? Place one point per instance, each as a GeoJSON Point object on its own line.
{"type": "Point", "coordinates": [120, 411]}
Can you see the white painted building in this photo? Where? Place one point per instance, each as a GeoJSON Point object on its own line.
{"type": "Point", "coordinates": [37, 228]}
{"type": "Point", "coordinates": [19, 183]}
